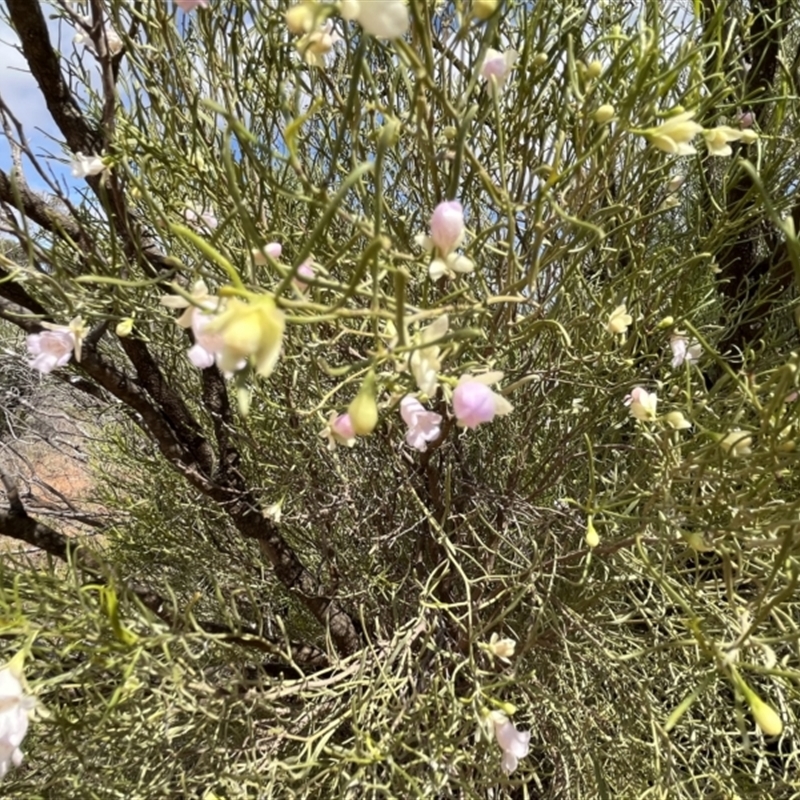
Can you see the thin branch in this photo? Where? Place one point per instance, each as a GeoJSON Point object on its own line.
{"type": "Point", "coordinates": [17, 524]}
{"type": "Point", "coordinates": [30, 24]}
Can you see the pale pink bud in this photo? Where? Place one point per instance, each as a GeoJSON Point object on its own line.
{"type": "Point", "coordinates": [747, 119]}
{"type": "Point", "coordinates": [447, 226]}
{"type": "Point", "coordinates": [305, 270]}
{"type": "Point", "coordinates": [271, 249]}
{"type": "Point", "coordinates": [52, 349]}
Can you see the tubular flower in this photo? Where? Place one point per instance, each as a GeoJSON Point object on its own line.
{"type": "Point", "coordinates": [447, 234]}
{"type": "Point", "coordinates": [619, 320]}
{"type": "Point", "coordinates": [642, 403]}
{"type": "Point", "coordinates": [497, 66]}
{"type": "Point", "coordinates": [675, 134]}
{"type": "Point", "coordinates": [737, 443]}
{"type": "Point", "coordinates": [718, 140]}
{"type": "Point", "coordinates": [15, 708]}
{"type": "Point", "coordinates": [251, 330]}
{"type": "Point", "coordinates": [514, 744]}
{"type": "Point", "coordinates": [423, 426]}
{"type": "Point", "coordinates": [385, 19]}
{"type": "Point", "coordinates": [424, 361]}
{"type": "Point", "coordinates": [475, 403]}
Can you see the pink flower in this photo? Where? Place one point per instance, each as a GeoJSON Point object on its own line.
{"type": "Point", "coordinates": [497, 66]}
{"type": "Point", "coordinates": [207, 345]}
{"type": "Point", "coordinates": [305, 270]}
{"type": "Point", "coordinates": [423, 426]}
{"type": "Point", "coordinates": [339, 430]}
{"type": "Point", "coordinates": [475, 403]}
{"type": "Point", "coordinates": [514, 744]}
{"type": "Point", "coordinates": [190, 5]}
{"type": "Point", "coordinates": [447, 226]}
{"type": "Point", "coordinates": [199, 313]}
{"type": "Point", "coordinates": [52, 349]}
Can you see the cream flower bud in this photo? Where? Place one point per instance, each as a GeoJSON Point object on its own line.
{"type": "Point", "coordinates": [363, 410]}
{"type": "Point", "coordinates": [483, 9]}
{"type": "Point", "coordinates": [604, 114]}
{"type": "Point", "coordinates": [594, 70]}
{"type": "Point", "coordinates": [592, 536]}
{"type": "Point", "coordinates": [677, 421]}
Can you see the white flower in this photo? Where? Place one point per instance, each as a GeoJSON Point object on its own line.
{"type": "Point", "coordinates": [424, 361]}
{"type": "Point", "coordinates": [447, 233]}
{"type": "Point", "coordinates": [386, 19]}
{"type": "Point", "coordinates": [683, 351]}
{"type": "Point", "coordinates": [423, 426]}
{"type": "Point", "coordinates": [84, 166]}
{"type": "Point", "coordinates": [642, 403]}
{"type": "Point", "coordinates": [514, 744]}
{"type": "Point", "coordinates": [271, 249]}
{"type": "Point", "coordinates": [15, 707]}
{"type": "Point", "coordinates": [475, 403]}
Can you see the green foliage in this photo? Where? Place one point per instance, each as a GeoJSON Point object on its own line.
{"type": "Point", "coordinates": [628, 651]}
